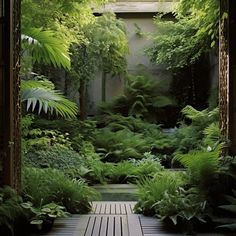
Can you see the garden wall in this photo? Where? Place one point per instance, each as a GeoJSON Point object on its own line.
{"type": "Point", "coordinates": [138, 17]}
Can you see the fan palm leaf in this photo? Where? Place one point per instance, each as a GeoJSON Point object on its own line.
{"type": "Point", "coordinates": [42, 97]}
{"type": "Point", "coordinates": [45, 48]}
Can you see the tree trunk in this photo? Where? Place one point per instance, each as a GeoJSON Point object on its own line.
{"type": "Point", "coordinates": [104, 78]}
{"type": "Point", "coordinates": [82, 99]}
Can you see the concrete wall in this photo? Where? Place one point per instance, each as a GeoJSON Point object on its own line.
{"type": "Point", "coordinates": [137, 60]}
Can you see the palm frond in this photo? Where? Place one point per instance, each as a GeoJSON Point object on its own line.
{"type": "Point", "coordinates": [46, 48]}
{"type": "Point", "coordinates": [47, 99]}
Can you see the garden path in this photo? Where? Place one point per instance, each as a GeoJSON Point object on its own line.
{"type": "Point", "coordinates": [111, 219]}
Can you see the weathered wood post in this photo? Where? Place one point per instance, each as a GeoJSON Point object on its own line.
{"type": "Point", "coordinates": [227, 82]}
{"type": "Point", "coordinates": [10, 160]}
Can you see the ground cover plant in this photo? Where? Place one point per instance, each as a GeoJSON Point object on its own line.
{"type": "Point", "coordinates": [143, 97]}
{"type": "Point", "coordinates": [120, 138]}
{"type": "Point", "coordinates": [43, 186]}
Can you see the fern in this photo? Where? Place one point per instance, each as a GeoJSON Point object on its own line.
{"type": "Point", "coordinates": [203, 168]}
{"type": "Point", "coordinates": [151, 191]}
{"type": "Point", "coordinates": [212, 135]}
{"type": "Point", "coordinates": [201, 118]}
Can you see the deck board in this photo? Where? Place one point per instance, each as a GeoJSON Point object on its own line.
{"type": "Point", "coordinates": [112, 219]}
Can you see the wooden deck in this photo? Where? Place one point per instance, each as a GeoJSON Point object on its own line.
{"type": "Point", "coordinates": [111, 219]}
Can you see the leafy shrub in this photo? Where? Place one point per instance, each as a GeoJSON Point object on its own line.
{"type": "Point", "coordinates": [92, 161]}
{"type": "Point", "coordinates": [189, 137]}
{"type": "Point", "coordinates": [11, 212]}
{"type": "Point", "coordinates": [43, 186]}
{"type": "Point", "coordinates": [181, 206]}
{"type": "Point", "coordinates": [43, 216]}
{"type": "Point", "coordinates": [203, 169]}
{"type": "Point", "coordinates": [142, 97]}
{"type": "Point", "coordinates": [72, 127]}
{"type": "Point", "coordinates": [213, 136]}
{"type": "Point", "coordinates": [120, 173]}
{"type": "Point", "coordinates": [120, 145]}
{"type": "Point", "coordinates": [150, 191]}
{"type": "Point", "coordinates": [56, 156]}
{"type": "Point", "coordinates": [132, 170]}
{"type": "Point", "coordinates": [153, 134]}
{"type": "Point", "coordinates": [148, 166]}
{"type": "Point", "coordinates": [42, 139]}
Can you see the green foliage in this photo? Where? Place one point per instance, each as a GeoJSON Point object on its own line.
{"type": "Point", "coordinates": [127, 137]}
{"type": "Point", "coordinates": [202, 131]}
{"type": "Point", "coordinates": [213, 136]}
{"type": "Point", "coordinates": [203, 169]}
{"type": "Point", "coordinates": [110, 35]}
{"type": "Point", "coordinates": [146, 167]}
{"type": "Point", "coordinates": [43, 186]}
{"type": "Point", "coordinates": [201, 118]}
{"type": "Point", "coordinates": [56, 157]}
{"type": "Point", "coordinates": [143, 96]}
{"type": "Point", "coordinates": [120, 173]}
{"type": "Point", "coordinates": [181, 206]}
{"type": "Point", "coordinates": [181, 42]}
{"type": "Point", "coordinates": [41, 95]}
{"type": "Point", "coordinates": [42, 139]}
{"type": "Point", "coordinates": [120, 145]}
{"type": "Point", "coordinates": [10, 210]}
{"type": "Point", "coordinates": [45, 48]}
{"type": "Point", "coordinates": [75, 128]}
{"type": "Point", "coordinates": [152, 190]}
{"type": "Point", "coordinates": [46, 213]}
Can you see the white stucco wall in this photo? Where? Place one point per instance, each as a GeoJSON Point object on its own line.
{"type": "Point", "coordinates": [136, 59]}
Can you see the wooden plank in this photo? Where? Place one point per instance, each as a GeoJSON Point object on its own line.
{"type": "Point", "coordinates": [123, 209]}
{"type": "Point", "coordinates": [103, 208]}
{"type": "Point", "coordinates": [98, 210]}
{"type": "Point", "coordinates": [124, 225]}
{"type": "Point", "coordinates": [97, 226]}
{"type": "Point", "coordinates": [108, 208]}
{"type": "Point", "coordinates": [134, 225]}
{"type": "Point", "coordinates": [117, 226]}
{"type": "Point", "coordinates": [110, 228]}
{"type": "Point", "coordinates": [128, 209]}
{"type": "Point", "coordinates": [104, 226]}
{"type": "Point", "coordinates": [90, 226]}
{"type": "Point", "coordinates": [113, 208]}
{"type": "Point", "coordinates": [82, 226]}
{"type": "Point", "coordinates": [118, 211]}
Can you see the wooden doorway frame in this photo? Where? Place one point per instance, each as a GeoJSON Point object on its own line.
{"type": "Point", "coordinates": [10, 107]}
{"type": "Point", "coordinates": [227, 69]}
{"type": "Point", "coordinates": [10, 111]}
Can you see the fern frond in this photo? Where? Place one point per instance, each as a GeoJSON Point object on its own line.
{"type": "Point", "coordinates": [203, 167]}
